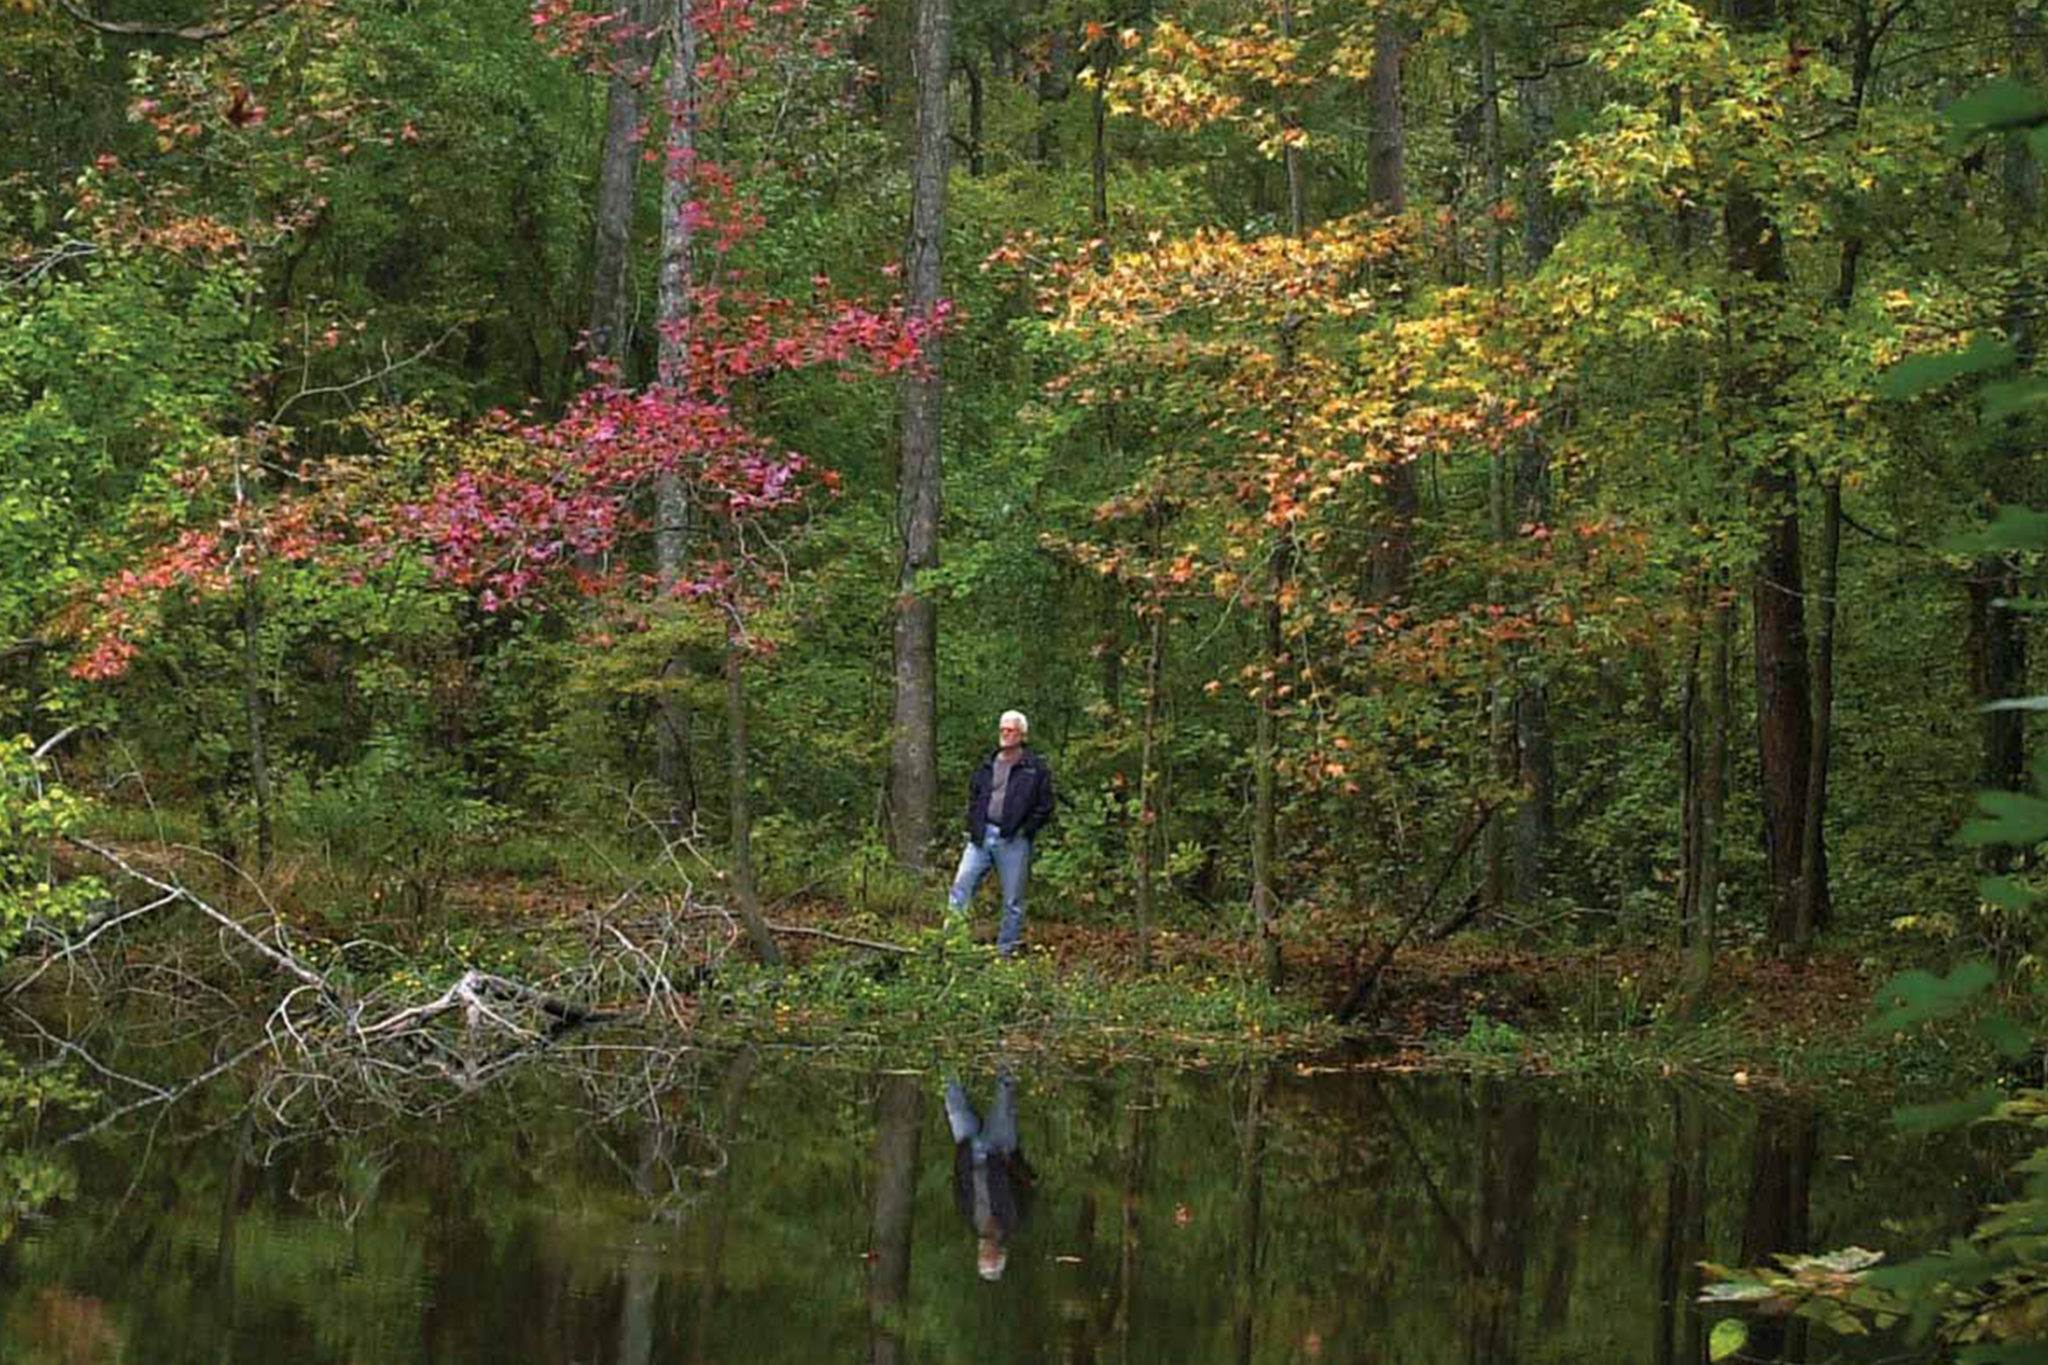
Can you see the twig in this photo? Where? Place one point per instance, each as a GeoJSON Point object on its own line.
{"type": "Point", "coordinates": [70, 947]}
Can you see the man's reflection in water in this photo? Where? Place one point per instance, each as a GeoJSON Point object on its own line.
{"type": "Point", "coordinates": [992, 1181]}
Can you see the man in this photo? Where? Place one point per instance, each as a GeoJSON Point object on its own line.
{"type": "Point", "coordinates": [992, 1182]}
{"type": "Point", "coordinates": [1008, 802]}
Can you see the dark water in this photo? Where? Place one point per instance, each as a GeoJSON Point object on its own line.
{"type": "Point", "coordinates": [773, 1207]}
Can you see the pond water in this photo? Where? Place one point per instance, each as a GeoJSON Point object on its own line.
{"type": "Point", "coordinates": [767, 1206]}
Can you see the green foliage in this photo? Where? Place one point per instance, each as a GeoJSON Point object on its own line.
{"type": "Point", "coordinates": [30, 1179]}
{"type": "Point", "coordinates": [394, 824]}
{"type": "Point", "coordinates": [34, 816]}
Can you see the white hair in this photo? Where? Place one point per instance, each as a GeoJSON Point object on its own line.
{"type": "Point", "coordinates": [1018, 719]}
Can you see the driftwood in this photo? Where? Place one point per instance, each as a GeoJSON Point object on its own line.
{"type": "Point", "coordinates": [1361, 992]}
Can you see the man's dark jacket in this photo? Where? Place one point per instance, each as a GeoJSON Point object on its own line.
{"type": "Point", "coordinates": [1012, 1185]}
{"type": "Point", "coordinates": [1027, 801]}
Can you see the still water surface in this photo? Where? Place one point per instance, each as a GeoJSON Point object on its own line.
{"type": "Point", "coordinates": [776, 1209]}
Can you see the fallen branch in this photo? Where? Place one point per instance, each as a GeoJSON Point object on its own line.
{"type": "Point", "coordinates": [191, 33]}
{"type": "Point", "coordinates": [473, 993]}
{"type": "Point", "coordinates": [285, 961]}
{"type": "Point", "coordinates": [1361, 993]}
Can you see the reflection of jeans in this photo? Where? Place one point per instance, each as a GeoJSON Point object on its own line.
{"type": "Point", "coordinates": [998, 1132]}
{"type": "Point", "coordinates": [1011, 859]}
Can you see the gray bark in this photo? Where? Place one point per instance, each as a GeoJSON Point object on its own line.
{"type": "Point", "coordinates": [1392, 557]}
{"type": "Point", "coordinates": [611, 304]}
{"type": "Point", "coordinates": [672, 512]}
{"type": "Point", "coordinates": [913, 768]}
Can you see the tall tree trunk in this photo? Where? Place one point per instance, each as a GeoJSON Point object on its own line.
{"type": "Point", "coordinates": [255, 710]}
{"type": "Point", "coordinates": [1049, 87]}
{"type": "Point", "coordinates": [1535, 826]}
{"type": "Point", "coordinates": [1393, 549]}
{"type": "Point", "coordinates": [1500, 699]}
{"type": "Point", "coordinates": [1756, 250]}
{"type": "Point", "coordinates": [1541, 228]}
{"type": "Point", "coordinates": [1813, 879]}
{"type": "Point", "coordinates": [913, 768]}
{"type": "Point", "coordinates": [975, 160]}
{"type": "Point", "coordinates": [1696, 972]}
{"type": "Point", "coordinates": [1265, 775]}
{"type": "Point", "coordinates": [1690, 749]}
{"type": "Point", "coordinates": [611, 301]}
{"type": "Point", "coordinates": [741, 874]}
{"type": "Point", "coordinates": [1387, 142]}
{"type": "Point", "coordinates": [1997, 639]}
{"type": "Point", "coordinates": [899, 1127]}
{"type": "Point", "coordinates": [1151, 827]}
{"type": "Point", "coordinates": [1266, 728]}
{"type": "Point", "coordinates": [672, 511]}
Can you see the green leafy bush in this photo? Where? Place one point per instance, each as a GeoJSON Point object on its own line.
{"type": "Point", "coordinates": [33, 816]}
{"type": "Point", "coordinates": [394, 823]}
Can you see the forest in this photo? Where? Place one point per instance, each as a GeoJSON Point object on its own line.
{"type": "Point", "coordinates": [1395, 453]}
{"type": "Point", "coordinates": [538, 510]}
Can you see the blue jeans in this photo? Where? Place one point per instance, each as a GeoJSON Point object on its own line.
{"type": "Point", "coordinates": [1011, 859]}
{"type": "Point", "coordinates": [997, 1132]}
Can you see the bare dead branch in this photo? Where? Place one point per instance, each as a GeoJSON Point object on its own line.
{"type": "Point", "coordinates": [190, 33]}
{"type": "Point", "coordinates": [279, 957]}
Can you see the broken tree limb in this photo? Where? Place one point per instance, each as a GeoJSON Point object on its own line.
{"type": "Point", "coordinates": [191, 33]}
{"type": "Point", "coordinates": [278, 957]}
{"type": "Point", "coordinates": [1361, 992]}
{"type": "Point", "coordinates": [98, 925]}
{"type": "Point", "coordinates": [474, 994]}
{"type": "Point", "coordinates": [805, 931]}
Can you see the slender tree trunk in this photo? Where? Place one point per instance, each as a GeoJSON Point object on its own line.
{"type": "Point", "coordinates": [255, 709]}
{"type": "Point", "coordinates": [913, 770]}
{"type": "Point", "coordinates": [1151, 828]}
{"type": "Point", "coordinates": [1393, 550]}
{"type": "Point", "coordinates": [1813, 879]}
{"type": "Point", "coordinates": [672, 512]}
{"type": "Point", "coordinates": [899, 1127]}
{"type": "Point", "coordinates": [1690, 749]}
{"type": "Point", "coordinates": [741, 876]}
{"type": "Point", "coordinates": [975, 160]}
{"type": "Point", "coordinates": [1272, 644]}
{"type": "Point", "coordinates": [1696, 974]}
{"type": "Point", "coordinates": [1290, 154]}
{"type": "Point", "coordinates": [611, 309]}
{"type": "Point", "coordinates": [1265, 763]}
{"type": "Point", "coordinates": [1049, 87]}
{"type": "Point", "coordinates": [1387, 142]}
{"type": "Point", "coordinates": [1500, 700]}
